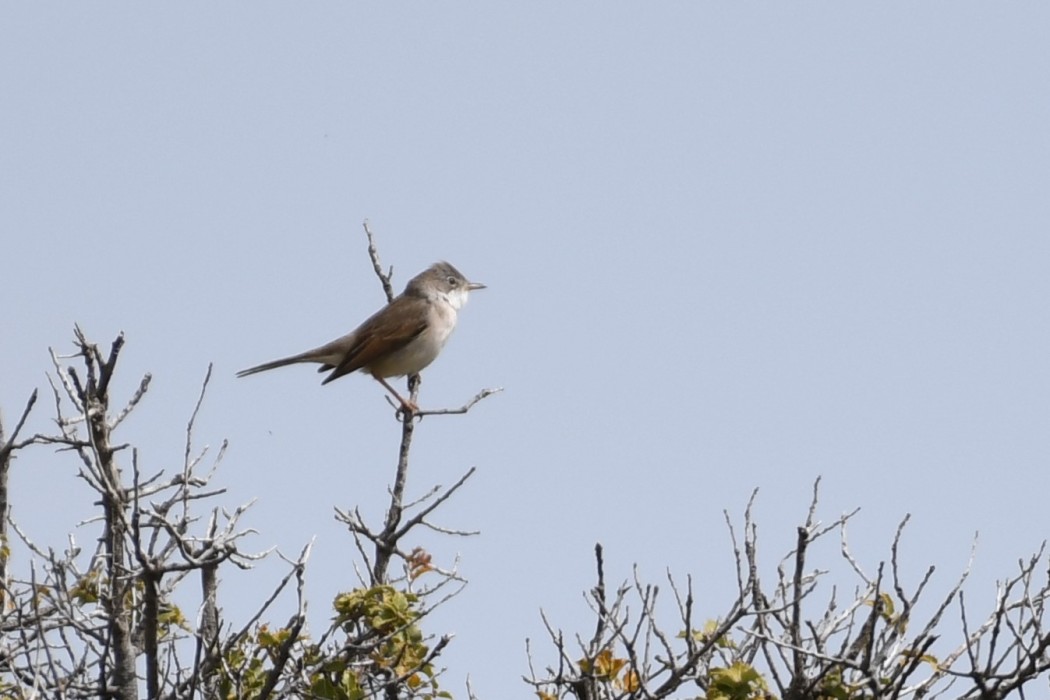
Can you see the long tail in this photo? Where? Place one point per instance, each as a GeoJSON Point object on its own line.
{"type": "Point", "coordinates": [294, 359]}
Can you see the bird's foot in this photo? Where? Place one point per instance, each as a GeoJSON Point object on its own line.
{"type": "Point", "coordinates": [409, 407]}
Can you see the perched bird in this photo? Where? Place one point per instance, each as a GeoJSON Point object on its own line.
{"type": "Point", "coordinates": [402, 338]}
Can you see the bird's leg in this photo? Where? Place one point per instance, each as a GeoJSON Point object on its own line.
{"type": "Point", "coordinates": [408, 406]}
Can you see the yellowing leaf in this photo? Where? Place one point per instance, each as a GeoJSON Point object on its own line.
{"type": "Point", "coordinates": [737, 682]}
{"type": "Point", "coordinates": [631, 682]}
{"type": "Point", "coordinates": [604, 667]}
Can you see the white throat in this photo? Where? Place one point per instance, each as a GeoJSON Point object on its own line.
{"type": "Point", "coordinates": [457, 298]}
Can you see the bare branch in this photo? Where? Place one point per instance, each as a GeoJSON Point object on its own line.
{"type": "Point", "coordinates": [373, 254]}
{"type": "Point", "coordinates": [483, 394]}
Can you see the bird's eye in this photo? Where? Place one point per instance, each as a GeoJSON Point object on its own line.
{"type": "Point", "coordinates": [452, 281]}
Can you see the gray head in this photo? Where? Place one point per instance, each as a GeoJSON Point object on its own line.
{"type": "Point", "coordinates": [442, 280]}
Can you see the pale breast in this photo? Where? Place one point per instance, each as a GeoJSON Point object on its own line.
{"type": "Point", "coordinates": [424, 348]}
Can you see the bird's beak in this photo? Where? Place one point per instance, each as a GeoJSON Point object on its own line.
{"type": "Point", "coordinates": [473, 286]}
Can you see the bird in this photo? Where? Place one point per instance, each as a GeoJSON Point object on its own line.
{"type": "Point", "coordinates": [403, 337]}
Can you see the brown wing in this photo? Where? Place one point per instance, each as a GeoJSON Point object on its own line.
{"type": "Point", "coordinates": [388, 330]}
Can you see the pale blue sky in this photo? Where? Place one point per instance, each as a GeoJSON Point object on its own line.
{"type": "Point", "coordinates": [728, 246]}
